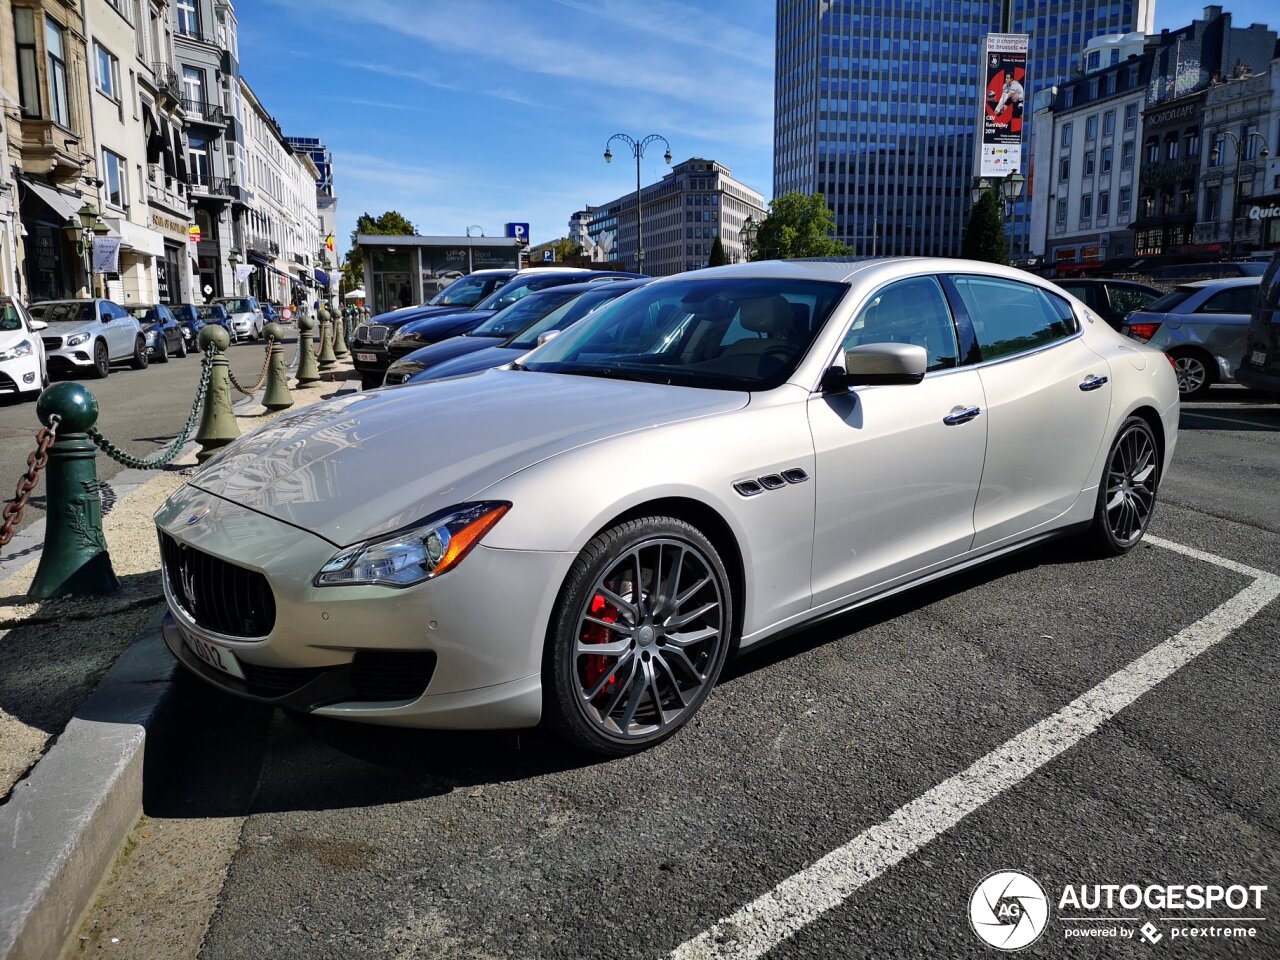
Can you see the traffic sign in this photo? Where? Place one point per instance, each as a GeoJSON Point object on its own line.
{"type": "Point", "coordinates": [519, 231]}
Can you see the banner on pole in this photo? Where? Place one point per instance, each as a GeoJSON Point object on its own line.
{"type": "Point", "coordinates": [243, 270]}
{"type": "Point", "coordinates": [1005, 59]}
{"type": "Point", "coordinates": [106, 254]}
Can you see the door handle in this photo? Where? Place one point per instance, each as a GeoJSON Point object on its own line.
{"type": "Point", "coordinates": [1092, 382]}
{"type": "Point", "coordinates": [961, 415]}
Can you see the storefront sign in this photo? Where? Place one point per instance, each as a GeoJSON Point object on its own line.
{"type": "Point", "coordinates": [169, 226]}
{"type": "Point", "coordinates": [193, 233]}
{"type": "Point", "coordinates": [1263, 208]}
{"type": "Point", "coordinates": [1005, 56]}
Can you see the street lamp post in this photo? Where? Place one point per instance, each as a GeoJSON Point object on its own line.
{"type": "Point", "coordinates": [81, 230]}
{"type": "Point", "coordinates": [637, 151]}
{"type": "Point", "coordinates": [747, 237]}
{"type": "Point", "coordinates": [1010, 188]}
{"type": "Point", "coordinates": [1215, 154]}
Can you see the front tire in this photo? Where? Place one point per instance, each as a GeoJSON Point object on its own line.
{"type": "Point", "coordinates": [182, 346]}
{"type": "Point", "coordinates": [1127, 491]}
{"type": "Point", "coordinates": [162, 350]}
{"type": "Point", "coordinates": [101, 361]}
{"type": "Point", "coordinates": [638, 637]}
{"type": "Point", "coordinates": [140, 356]}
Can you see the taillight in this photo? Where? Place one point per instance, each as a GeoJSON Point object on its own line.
{"type": "Point", "coordinates": [1172, 362]}
{"type": "Point", "coordinates": [1143, 331]}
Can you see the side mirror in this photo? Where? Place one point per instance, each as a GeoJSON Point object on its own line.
{"type": "Point", "coordinates": [547, 335]}
{"type": "Point", "coordinates": [38, 325]}
{"type": "Point", "coordinates": [878, 364]}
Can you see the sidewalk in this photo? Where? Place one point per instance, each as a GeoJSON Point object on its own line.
{"type": "Point", "coordinates": [72, 725]}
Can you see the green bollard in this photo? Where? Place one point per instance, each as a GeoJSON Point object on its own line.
{"type": "Point", "coordinates": [276, 396]}
{"type": "Point", "coordinates": [218, 425]}
{"type": "Point", "coordinates": [327, 359]}
{"type": "Point", "coordinates": [340, 335]}
{"type": "Point", "coordinates": [308, 373]}
{"type": "Point", "coordinates": [74, 561]}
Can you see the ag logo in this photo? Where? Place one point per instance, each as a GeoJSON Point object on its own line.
{"type": "Point", "coordinates": [1008, 910]}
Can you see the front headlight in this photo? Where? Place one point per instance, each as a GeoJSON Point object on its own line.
{"type": "Point", "coordinates": [406, 338]}
{"type": "Point", "coordinates": [151, 338]}
{"type": "Point", "coordinates": [79, 338]}
{"type": "Point", "coordinates": [422, 552]}
{"type": "Point", "coordinates": [24, 349]}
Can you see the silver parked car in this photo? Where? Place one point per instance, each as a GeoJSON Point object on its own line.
{"type": "Point", "coordinates": [244, 317]}
{"type": "Point", "coordinates": [1202, 327]}
{"type": "Point", "coordinates": [706, 463]}
{"type": "Point", "coordinates": [89, 335]}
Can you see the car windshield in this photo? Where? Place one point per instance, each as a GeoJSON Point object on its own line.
{"type": "Point", "coordinates": [208, 312]}
{"type": "Point", "coordinates": [722, 333]}
{"type": "Point", "coordinates": [74, 312]}
{"type": "Point", "coordinates": [184, 312]}
{"type": "Point", "coordinates": [9, 319]}
{"type": "Point", "coordinates": [519, 287]}
{"type": "Point", "coordinates": [511, 320]}
{"type": "Point", "coordinates": [1170, 300]}
{"type": "Point", "coordinates": [467, 291]}
{"type": "Point", "coordinates": [565, 316]}
{"type": "Point", "coordinates": [144, 314]}
{"type": "Point", "coordinates": [238, 305]}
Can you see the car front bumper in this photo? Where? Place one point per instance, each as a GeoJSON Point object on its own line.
{"type": "Point", "coordinates": [369, 357]}
{"type": "Point", "coordinates": [483, 622]}
{"type": "Point", "coordinates": [20, 374]}
{"type": "Point", "coordinates": [70, 358]}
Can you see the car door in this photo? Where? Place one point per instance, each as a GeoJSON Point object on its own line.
{"type": "Point", "coordinates": [897, 467]}
{"type": "Point", "coordinates": [112, 330]}
{"type": "Point", "coordinates": [1220, 323]}
{"type": "Point", "coordinates": [172, 335]}
{"type": "Point", "coordinates": [1048, 403]}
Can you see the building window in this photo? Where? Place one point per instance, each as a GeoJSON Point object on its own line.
{"type": "Point", "coordinates": [1088, 164]}
{"type": "Point", "coordinates": [1091, 128]}
{"type": "Point", "coordinates": [1064, 168]}
{"type": "Point", "coordinates": [1249, 142]}
{"type": "Point", "coordinates": [1187, 202]}
{"type": "Point", "coordinates": [1093, 88]}
{"type": "Point", "coordinates": [1086, 210]}
{"type": "Point", "coordinates": [1066, 135]}
{"type": "Point", "coordinates": [114, 174]}
{"type": "Point", "coordinates": [1069, 98]}
{"type": "Point", "coordinates": [1131, 79]}
{"type": "Point", "coordinates": [1149, 205]}
{"type": "Point", "coordinates": [1111, 78]}
{"type": "Point", "coordinates": [1126, 155]}
{"type": "Point", "coordinates": [1106, 159]}
{"type": "Point", "coordinates": [1153, 150]}
{"type": "Point", "coordinates": [1104, 205]}
{"type": "Point", "coordinates": [188, 18]}
{"type": "Point", "coordinates": [1061, 215]}
{"type": "Point", "coordinates": [1193, 143]}
{"type": "Point", "coordinates": [24, 32]}
{"type": "Point", "coordinates": [1166, 204]}
{"type": "Point", "coordinates": [108, 71]}
{"type": "Point", "coordinates": [1171, 147]}
{"type": "Point", "coordinates": [1126, 202]}
{"type": "Point", "coordinates": [1108, 123]}
{"type": "Point", "coordinates": [198, 150]}
{"type": "Point", "coordinates": [1212, 197]}
{"type": "Point", "coordinates": [1217, 158]}
{"type": "Point", "coordinates": [193, 87]}
{"type": "Point", "coordinates": [1131, 116]}
{"type": "Point", "coordinates": [59, 109]}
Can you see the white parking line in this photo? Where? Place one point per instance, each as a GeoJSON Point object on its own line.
{"type": "Point", "coordinates": [1244, 423]}
{"type": "Point", "coordinates": [800, 899]}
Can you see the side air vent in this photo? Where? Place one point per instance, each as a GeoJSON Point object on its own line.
{"type": "Point", "coordinates": [772, 482]}
{"type": "Point", "coordinates": [748, 488]}
{"type": "Point", "coordinates": [795, 475]}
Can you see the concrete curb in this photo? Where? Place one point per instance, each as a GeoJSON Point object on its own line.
{"type": "Point", "coordinates": [65, 822]}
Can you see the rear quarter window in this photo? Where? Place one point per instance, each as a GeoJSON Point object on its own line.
{"type": "Point", "coordinates": [1231, 300]}
{"type": "Point", "coordinates": [1011, 317]}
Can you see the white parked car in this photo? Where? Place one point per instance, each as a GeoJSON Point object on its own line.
{"type": "Point", "coordinates": [23, 369]}
{"type": "Point", "coordinates": [707, 463]}
{"type": "Point", "coordinates": [245, 317]}
{"type": "Point", "coordinates": [90, 335]}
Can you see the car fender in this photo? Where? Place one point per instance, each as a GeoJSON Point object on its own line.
{"type": "Point", "coordinates": [1141, 376]}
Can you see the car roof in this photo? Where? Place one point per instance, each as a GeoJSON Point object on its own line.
{"type": "Point", "coordinates": [621, 283]}
{"type": "Point", "coordinates": [1223, 282]}
{"type": "Point", "coordinates": [849, 269]}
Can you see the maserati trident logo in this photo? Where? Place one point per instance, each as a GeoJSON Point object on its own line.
{"type": "Point", "coordinates": [188, 581]}
{"type": "Point", "coordinates": [197, 517]}
{"type": "Point", "coordinates": [1008, 910]}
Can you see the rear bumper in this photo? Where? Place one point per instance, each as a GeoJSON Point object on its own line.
{"type": "Point", "coordinates": [1250, 376]}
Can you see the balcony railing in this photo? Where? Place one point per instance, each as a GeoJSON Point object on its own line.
{"type": "Point", "coordinates": [167, 80]}
{"type": "Point", "coordinates": [212, 187]}
{"type": "Point", "coordinates": [203, 110]}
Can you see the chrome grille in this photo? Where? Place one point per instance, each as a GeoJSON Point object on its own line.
{"type": "Point", "coordinates": [376, 333]}
{"type": "Point", "coordinates": [52, 343]}
{"type": "Point", "coordinates": [362, 332]}
{"type": "Point", "coordinates": [217, 595]}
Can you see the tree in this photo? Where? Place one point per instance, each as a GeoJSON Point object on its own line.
{"type": "Point", "coordinates": [984, 237]}
{"type": "Point", "coordinates": [391, 223]}
{"type": "Point", "coordinates": [566, 250]}
{"type": "Point", "coordinates": [798, 225]}
{"type": "Point", "coordinates": [718, 257]}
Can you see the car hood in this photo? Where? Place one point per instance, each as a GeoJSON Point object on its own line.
{"type": "Point", "coordinates": [486, 359]}
{"type": "Point", "coordinates": [65, 330]}
{"type": "Point", "coordinates": [447, 350]}
{"type": "Point", "coordinates": [358, 466]}
{"type": "Point", "coordinates": [438, 327]}
{"type": "Point", "coordinates": [400, 319]}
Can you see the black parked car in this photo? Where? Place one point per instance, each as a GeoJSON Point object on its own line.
{"type": "Point", "coordinates": [162, 330]}
{"type": "Point", "coordinates": [1111, 299]}
{"type": "Point", "coordinates": [215, 313]}
{"type": "Point", "coordinates": [1260, 366]}
{"type": "Point", "coordinates": [188, 317]}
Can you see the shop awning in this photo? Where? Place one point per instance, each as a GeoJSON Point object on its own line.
{"type": "Point", "coordinates": [64, 205]}
{"type": "Point", "coordinates": [322, 278]}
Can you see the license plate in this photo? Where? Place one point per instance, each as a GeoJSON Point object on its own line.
{"type": "Point", "coordinates": [220, 658]}
{"type": "Point", "coordinates": [1258, 358]}
{"type": "Point", "coordinates": [367, 357]}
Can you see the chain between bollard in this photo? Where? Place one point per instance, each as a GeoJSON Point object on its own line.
{"type": "Point", "coordinates": [36, 461]}
{"type": "Point", "coordinates": [166, 456]}
{"type": "Point", "coordinates": [266, 362]}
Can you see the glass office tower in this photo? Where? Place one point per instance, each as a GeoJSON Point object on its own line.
{"type": "Point", "coordinates": [876, 106]}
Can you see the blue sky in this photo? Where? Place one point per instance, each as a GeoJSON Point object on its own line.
{"type": "Point", "coordinates": [461, 112]}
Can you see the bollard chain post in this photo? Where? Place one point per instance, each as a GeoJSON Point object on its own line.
{"type": "Point", "coordinates": [37, 460]}
{"type": "Point", "coordinates": [277, 395]}
{"type": "Point", "coordinates": [307, 372]}
{"type": "Point", "coordinates": [218, 425]}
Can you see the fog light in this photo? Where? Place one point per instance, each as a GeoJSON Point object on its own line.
{"type": "Point", "coordinates": [28, 378]}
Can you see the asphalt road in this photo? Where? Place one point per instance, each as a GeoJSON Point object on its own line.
{"type": "Point", "coordinates": [924, 740]}
{"type": "Point", "coordinates": [140, 410]}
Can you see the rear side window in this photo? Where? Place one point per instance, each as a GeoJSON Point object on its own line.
{"type": "Point", "coordinates": [1011, 317]}
{"type": "Point", "coordinates": [908, 311]}
{"type": "Point", "coordinates": [1231, 300]}
{"type": "Point", "coordinates": [1078, 290]}
{"type": "Point", "coordinates": [1171, 300]}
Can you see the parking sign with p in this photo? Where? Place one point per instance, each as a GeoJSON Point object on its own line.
{"type": "Point", "coordinates": [519, 231]}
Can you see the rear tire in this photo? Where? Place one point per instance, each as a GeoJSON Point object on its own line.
{"type": "Point", "coordinates": [101, 361]}
{"type": "Point", "coordinates": [1127, 490]}
{"type": "Point", "coordinates": [653, 593]}
{"type": "Point", "coordinates": [1196, 374]}
{"type": "Point", "coordinates": [182, 346]}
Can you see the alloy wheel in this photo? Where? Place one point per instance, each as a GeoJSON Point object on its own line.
{"type": "Point", "coordinates": [649, 639]}
{"type": "Point", "coordinates": [1131, 485]}
{"type": "Point", "coordinates": [1191, 373]}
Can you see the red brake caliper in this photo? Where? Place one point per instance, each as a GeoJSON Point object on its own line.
{"type": "Point", "coordinates": [595, 633]}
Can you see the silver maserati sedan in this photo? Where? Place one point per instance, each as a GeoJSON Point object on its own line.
{"type": "Point", "coordinates": [581, 538]}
